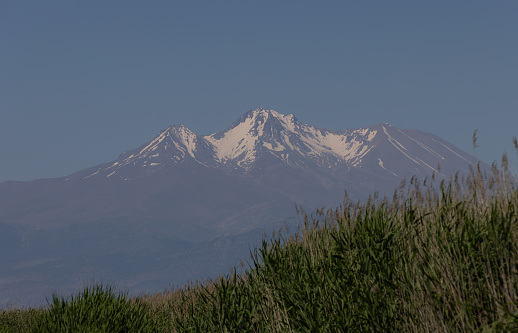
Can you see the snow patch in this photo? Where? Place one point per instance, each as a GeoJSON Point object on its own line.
{"type": "Point", "coordinates": [398, 145]}
{"type": "Point", "coordinates": [277, 147]}
{"type": "Point", "coordinates": [422, 145]}
{"type": "Point", "coordinates": [452, 151]}
{"type": "Point", "coordinates": [93, 174]}
{"type": "Point", "coordinates": [188, 139]}
{"type": "Point", "coordinates": [236, 141]}
{"type": "Point", "coordinates": [429, 166]}
{"type": "Point", "coordinates": [380, 162]}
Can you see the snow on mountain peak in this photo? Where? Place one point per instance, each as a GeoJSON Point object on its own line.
{"type": "Point", "coordinates": [280, 135]}
{"type": "Point", "coordinates": [187, 138]}
{"type": "Point", "coordinates": [241, 138]}
{"type": "Point", "coordinates": [172, 144]}
{"type": "Point", "coordinates": [253, 130]}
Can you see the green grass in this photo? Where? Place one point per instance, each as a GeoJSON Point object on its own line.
{"type": "Point", "coordinates": [18, 320]}
{"type": "Point", "coordinates": [441, 259]}
{"type": "Point", "coordinates": [96, 309]}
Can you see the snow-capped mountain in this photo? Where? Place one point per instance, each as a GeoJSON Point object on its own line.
{"type": "Point", "coordinates": [156, 214]}
{"type": "Point", "coordinates": [264, 138]}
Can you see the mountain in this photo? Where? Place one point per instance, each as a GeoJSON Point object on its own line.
{"type": "Point", "coordinates": [184, 206]}
{"type": "Point", "coordinates": [261, 139]}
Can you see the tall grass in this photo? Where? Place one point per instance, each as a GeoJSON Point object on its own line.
{"type": "Point", "coordinates": [436, 257]}
{"type": "Point", "coordinates": [96, 309]}
{"type": "Point", "coordinates": [432, 259]}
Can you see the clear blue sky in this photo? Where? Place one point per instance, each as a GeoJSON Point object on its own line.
{"type": "Point", "coordinates": [83, 81]}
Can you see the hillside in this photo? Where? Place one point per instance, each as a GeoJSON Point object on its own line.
{"type": "Point", "coordinates": [429, 260]}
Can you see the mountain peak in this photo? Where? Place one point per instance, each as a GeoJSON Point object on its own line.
{"type": "Point", "coordinates": [241, 142]}
{"type": "Point", "coordinates": [179, 130]}
{"type": "Point", "coordinates": [286, 119]}
{"type": "Point", "coordinates": [261, 115]}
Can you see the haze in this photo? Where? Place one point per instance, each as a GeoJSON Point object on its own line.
{"type": "Point", "coordinates": [81, 82]}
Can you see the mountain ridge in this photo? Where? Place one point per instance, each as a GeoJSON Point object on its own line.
{"type": "Point", "coordinates": [266, 135]}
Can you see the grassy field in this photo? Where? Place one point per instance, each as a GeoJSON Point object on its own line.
{"type": "Point", "coordinates": [432, 258]}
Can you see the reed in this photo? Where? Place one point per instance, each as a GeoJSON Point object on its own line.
{"type": "Point", "coordinates": [439, 256]}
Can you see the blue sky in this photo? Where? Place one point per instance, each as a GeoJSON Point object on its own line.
{"type": "Point", "coordinates": [83, 81]}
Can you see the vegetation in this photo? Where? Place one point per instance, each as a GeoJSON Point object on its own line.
{"type": "Point", "coordinates": [433, 258]}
